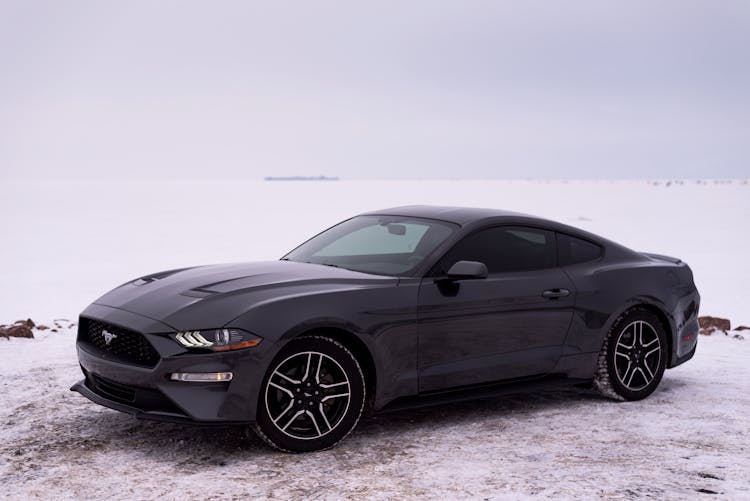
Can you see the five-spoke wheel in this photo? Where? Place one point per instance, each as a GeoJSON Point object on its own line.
{"type": "Point", "coordinates": [308, 395]}
{"type": "Point", "coordinates": [637, 355]}
{"type": "Point", "coordinates": [312, 397]}
{"type": "Point", "coordinates": [633, 357]}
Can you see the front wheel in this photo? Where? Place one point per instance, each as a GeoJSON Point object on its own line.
{"type": "Point", "coordinates": [633, 358]}
{"type": "Point", "coordinates": [312, 396]}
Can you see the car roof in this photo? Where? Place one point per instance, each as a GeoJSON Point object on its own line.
{"type": "Point", "coordinates": [458, 215]}
{"type": "Point", "coordinates": [470, 217]}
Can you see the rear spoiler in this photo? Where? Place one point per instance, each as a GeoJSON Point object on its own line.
{"type": "Point", "coordinates": [660, 257]}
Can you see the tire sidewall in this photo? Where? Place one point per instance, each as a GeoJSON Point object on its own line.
{"type": "Point", "coordinates": [268, 430]}
{"type": "Point", "coordinates": [617, 328]}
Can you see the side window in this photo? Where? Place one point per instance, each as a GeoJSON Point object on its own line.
{"type": "Point", "coordinates": [572, 250]}
{"type": "Point", "coordinates": [505, 249]}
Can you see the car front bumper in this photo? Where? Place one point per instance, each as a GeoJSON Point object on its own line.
{"type": "Point", "coordinates": [149, 393]}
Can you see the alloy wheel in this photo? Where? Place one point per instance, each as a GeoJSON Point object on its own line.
{"type": "Point", "coordinates": [307, 395]}
{"type": "Point", "coordinates": [637, 355]}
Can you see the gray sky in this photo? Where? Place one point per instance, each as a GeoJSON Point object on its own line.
{"type": "Point", "coordinates": [375, 89]}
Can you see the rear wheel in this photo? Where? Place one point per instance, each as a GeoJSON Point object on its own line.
{"type": "Point", "coordinates": [312, 396]}
{"type": "Point", "coordinates": [633, 358]}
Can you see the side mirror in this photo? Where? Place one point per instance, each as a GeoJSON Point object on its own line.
{"type": "Point", "coordinates": [467, 270]}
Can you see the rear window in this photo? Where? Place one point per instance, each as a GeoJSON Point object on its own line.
{"type": "Point", "coordinates": [572, 250]}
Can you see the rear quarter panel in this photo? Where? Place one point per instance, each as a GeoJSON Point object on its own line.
{"type": "Point", "coordinates": [607, 288]}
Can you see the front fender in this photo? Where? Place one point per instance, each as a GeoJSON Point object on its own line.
{"type": "Point", "coordinates": [384, 319]}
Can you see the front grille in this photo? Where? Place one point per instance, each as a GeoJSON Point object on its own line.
{"type": "Point", "coordinates": [116, 343]}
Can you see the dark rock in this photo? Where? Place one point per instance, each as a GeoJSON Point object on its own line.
{"type": "Point", "coordinates": [42, 327]}
{"type": "Point", "coordinates": [707, 331]}
{"type": "Point", "coordinates": [706, 491]}
{"type": "Point", "coordinates": [742, 328]}
{"type": "Point", "coordinates": [719, 323]}
{"type": "Point", "coordinates": [19, 331]}
{"type": "Point", "coordinates": [711, 330]}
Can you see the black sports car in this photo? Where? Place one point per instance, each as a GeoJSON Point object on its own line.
{"type": "Point", "coordinates": [399, 307]}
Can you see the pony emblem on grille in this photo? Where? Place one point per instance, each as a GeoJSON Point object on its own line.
{"type": "Point", "coordinates": [108, 336]}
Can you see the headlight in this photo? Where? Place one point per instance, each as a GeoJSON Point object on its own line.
{"type": "Point", "coordinates": [217, 339]}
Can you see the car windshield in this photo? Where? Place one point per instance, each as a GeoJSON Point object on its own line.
{"type": "Point", "coordinates": [382, 245]}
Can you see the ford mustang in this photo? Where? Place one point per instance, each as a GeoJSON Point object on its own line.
{"type": "Point", "coordinates": [401, 307]}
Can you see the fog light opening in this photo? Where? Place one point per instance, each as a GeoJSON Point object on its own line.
{"type": "Point", "coordinates": [201, 377]}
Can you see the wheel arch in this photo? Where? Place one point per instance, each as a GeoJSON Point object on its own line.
{"type": "Point", "coordinates": [660, 314]}
{"type": "Point", "coordinates": [361, 352]}
{"type": "Point", "coordinates": [664, 319]}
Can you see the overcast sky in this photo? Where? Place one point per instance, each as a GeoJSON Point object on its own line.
{"type": "Point", "coordinates": [403, 89]}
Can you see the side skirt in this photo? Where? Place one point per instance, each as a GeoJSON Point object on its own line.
{"type": "Point", "coordinates": [483, 391]}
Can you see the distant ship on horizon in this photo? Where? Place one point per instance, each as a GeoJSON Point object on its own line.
{"type": "Point", "coordinates": [300, 178]}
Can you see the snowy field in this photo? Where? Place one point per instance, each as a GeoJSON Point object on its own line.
{"type": "Point", "coordinates": [689, 439]}
{"type": "Point", "coordinates": [66, 243]}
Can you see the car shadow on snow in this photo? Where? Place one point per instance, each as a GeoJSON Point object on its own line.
{"type": "Point", "coordinates": [86, 429]}
{"type": "Point", "coordinates": [670, 384]}
{"type": "Point", "coordinates": [123, 431]}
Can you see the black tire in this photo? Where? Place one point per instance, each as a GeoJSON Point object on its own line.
{"type": "Point", "coordinates": [302, 405]}
{"type": "Point", "coordinates": [634, 356]}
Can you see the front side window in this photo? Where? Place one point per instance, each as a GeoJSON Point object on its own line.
{"type": "Point", "coordinates": [383, 245]}
{"type": "Point", "coordinates": [504, 249]}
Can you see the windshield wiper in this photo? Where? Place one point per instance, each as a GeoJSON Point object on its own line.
{"type": "Point", "coordinates": [322, 264]}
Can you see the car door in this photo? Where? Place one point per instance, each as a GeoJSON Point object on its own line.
{"type": "Point", "coordinates": [511, 324]}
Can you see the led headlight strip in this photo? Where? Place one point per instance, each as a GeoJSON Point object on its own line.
{"type": "Point", "coordinates": [217, 339]}
{"type": "Point", "coordinates": [193, 339]}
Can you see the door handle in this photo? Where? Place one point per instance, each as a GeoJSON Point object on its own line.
{"type": "Point", "coordinates": [555, 293]}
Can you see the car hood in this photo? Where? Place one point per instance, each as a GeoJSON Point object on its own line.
{"type": "Point", "coordinates": [207, 297]}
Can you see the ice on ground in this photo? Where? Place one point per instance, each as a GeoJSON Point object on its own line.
{"type": "Point", "coordinates": [691, 436]}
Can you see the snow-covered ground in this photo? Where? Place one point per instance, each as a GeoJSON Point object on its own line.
{"type": "Point", "coordinates": [65, 243]}
{"type": "Point", "coordinates": [690, 437]}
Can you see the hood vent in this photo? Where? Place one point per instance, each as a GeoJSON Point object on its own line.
{"type": "Point", "coordinates": [199, 293]}
{"type": "Point", "coordinates": [156, 276]}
